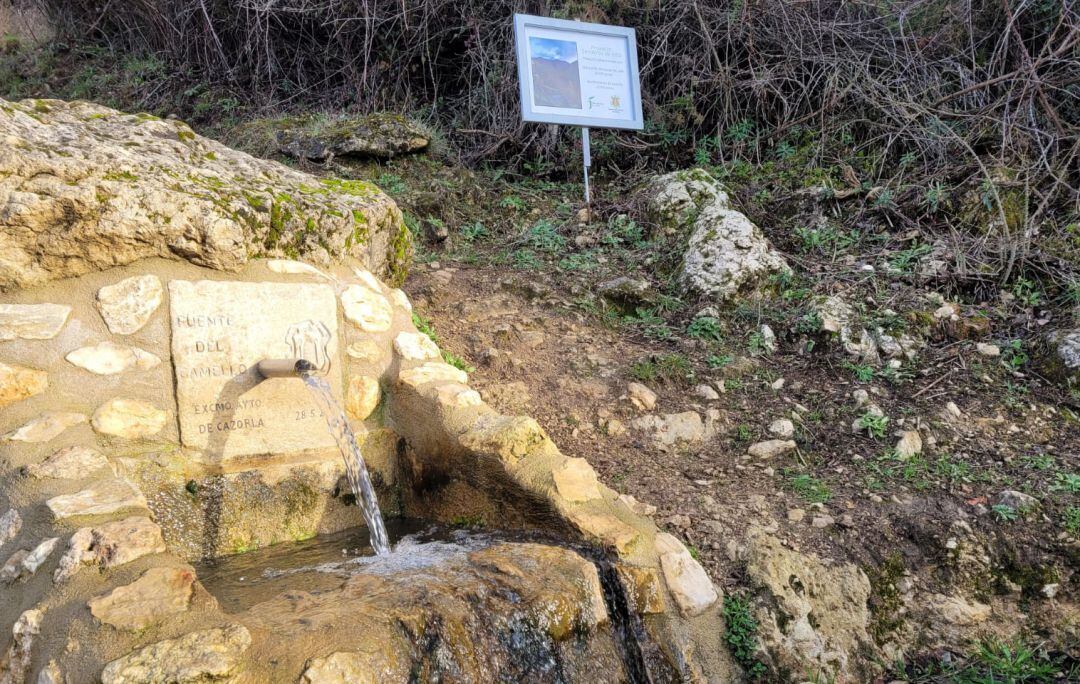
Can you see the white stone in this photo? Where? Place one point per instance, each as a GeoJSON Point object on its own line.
{"type": "Point", "coordinates": [129, 419]}
{"type": "Point", "coordinates": [71, 463]}
{"type": "Point", "coordinates": [457, 395]}
{"type": "Point", "coordinates": [910, 444]}
{"type": "Point", "coordinates": [45, 427]}
{"type": "Point", "coordinates": [783, 428]}
{"type": "Point", "coordinates": [415, 346]}
{"type": "Point", "coordinates": [39, 555]}
{"type": "Point", "coordinates": [107, 497]}
{"type": "Point", "coordinates": [32, 321]}
{"type": "Point", "coordinates": [771, 448]}
{"type": "Point", "coordinates": [689, 583]}
{"type": "Point", "coordinates": [221, 330]}
{"type": "Point", "coordinates": [367, 309]}
{"type": "Point", "coordinates": [210, 655]}
{"type": "Point", "coordinates": [362, 396]}
{"type": "Point", "coordinates": [109, 358]}
{"type": "Point", "coordinates": [706, 392]}
{"type": "Point", "coordinates": [639, 507]}
{"type": "Point", "coordinates": [18, 383]}
{"type": "Point", "coordinates": [987, 349]}
{"type": "Point", "coordinates": [368, 280]}
{"type": "Point", "coordinates": [432, 372]}
{"type": "Point", "coordinates": [10, 525]}
{"type": "Point", "coordinates": [641, 396]}
{"type": "Point", "coordinates": [128, 305]}
{"type": "Point", "coordinates": [399, 298]}
{"type": "Point", "coordinates": [291, 267]}
{"type": "Point", "coordinates": [110, 544]}
{"type": "Point", "coordinates": [158, 594]}
{"type": "Point", "coordinates": [366, 350]}
{"type": "Point", "coordinates": [576, 481]}
{"type": "Point", "coordinates": [21, 651]}
{"type": "Point", "coordinates": [768, 339]}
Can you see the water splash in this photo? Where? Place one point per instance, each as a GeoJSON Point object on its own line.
{"type": "Point", "coordinates": [355, 468]}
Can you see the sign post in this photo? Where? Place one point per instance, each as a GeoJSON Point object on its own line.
{"type": "Point", "coordinates": [577, 73]}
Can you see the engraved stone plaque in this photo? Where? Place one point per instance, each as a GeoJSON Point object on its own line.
{"type": "Point", "coordinates": [220, 331]}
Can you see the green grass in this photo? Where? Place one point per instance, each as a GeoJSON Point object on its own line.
{"type": "Point", "coordinates": [874, 424]}
{"type": "Point", "coordinates": [457, 362]}
{"type": "Point", "coordinates": [705, 328]}
{"type": "Point", "coordinates": [808, 488]}
{"type": "Point", "coordinates": [1000, 662]}
{"type": "Point", "coordinates": [425, 326]}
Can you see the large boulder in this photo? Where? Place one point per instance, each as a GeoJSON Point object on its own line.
{"type": "Point", "coordinates": [85, 188]}
{"type": "Point", "coordinates": [1062, 358]}
{"type": "Point", "coordinates": [725, 252]}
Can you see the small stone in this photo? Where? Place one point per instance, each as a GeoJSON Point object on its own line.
{"type": "Point", "coordinates": [457, 395]}
{"type": "Point", "coordinates": [782, 428]}
{"type": "Point", "coordinates": [205, 656]}
{"type": "Point", "coordinates": [69, 463]}
{"type": "Point", "coordinates": [945, 311]}
{"type": "Point", "coordinates": [12, 568]}
{"type": "Point", "coordinates": [128, 305]}
{"type": "Point", "coordinates": [605, 528]}
{"type": "Point", "coordinates": [953, 410]}
{"type": "Point", "coordinates": [847, 520]}
{"type": "Point", "coordinates": [641, 396]}
{"type": "Point", "coordinates": [129, 419]}
{"type": "Point", "coordinates": [39, 555]}
{"type": "Point", "coordinates": [399, 298]}
{"type": "Point", "coordinates": [290, 267]}
{"type": "Point", "coordinates": [636, 506]}
{"type": "Point", "coordinates": [156, 595]}
{"type": "Point", "coordinates": [615, 427]}
{"type": "Point", "coordinates": [415, 347]}
{"type": "Point", "coordinates": [10, 525]}
{"type": "Point", "coordinates": [109, 358]}
{"type": "Point", "coordinates": [108, 497]}
{"type": "Point", "coordinates": [362, 396]}
{"type": "Point", "coordinates": [674, 428]}
{"type": "Point", "coordinates": [768, 339]}
{"type": "Point", "coordinates": [1016, 500]}
{"type": "Point", "coordinates": [706, 392]}
{"type": "Point", "coordinates": [909, 445]}
{"type": "Point", "coordinates": [576, 481]}
{"type": "Point", "coordinates": [822, 521]}
{"type": "Point", "coordinates": [366, 350]}
{"type": "Point", "coordinates": [771, 448]}
{"type": "Point", "coordinates": [778, 384]}
{"type": "Point", "coordinates": [988, 349]}
{"type": "Point", "coordinates": [432, 372]}
{"type": "Point", "coordinates": [861, 397]}
{"type": "Point", "coordinates": [45, 427]}
{"type": "Point", "coordinates": [689, 583]}
{"type": "Point", "coordinates": [1050, 590]}
{"type": "Point", "coordinates": [367, 309]}
{"type": "Point", "coordinates": [32, 321]}
{"type": "Point", "coordinates": [796, 515]}
{"type": "Point", "coordinates": [18, 383]}
{"type": "Point", "coordinates": [111, 544]}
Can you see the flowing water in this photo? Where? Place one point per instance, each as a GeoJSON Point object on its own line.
{"type": "Point", "coordinates": [355, 468]}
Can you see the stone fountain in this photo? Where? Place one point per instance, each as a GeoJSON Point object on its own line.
{"type": "Point", "coordinates": [139, 440]}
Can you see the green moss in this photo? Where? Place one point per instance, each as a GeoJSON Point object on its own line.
{"type": "Point", "coordinates": [146, 116]}
{"type": "Point", "coordinates": [353, 188]}
{"type": "Point", "coordinates": [126, 176]}
{"type": "Point", "coordinates": [885, 599]}
{"type": "Point", "coordinates": [399, 257]}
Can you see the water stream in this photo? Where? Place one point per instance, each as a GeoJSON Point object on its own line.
{"type": "Point", "coordinates": [355, 468]}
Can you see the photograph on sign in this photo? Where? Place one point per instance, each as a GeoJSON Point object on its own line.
{"type": "Point", "coordinates": [577, 73]}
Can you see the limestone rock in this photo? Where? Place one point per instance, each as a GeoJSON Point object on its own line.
{"type": "Point", "coordinates": [10, 526]}
{"type": "Point", "coordinates": [204, 656]}
{"type": "Point", "coordinates": [638, 507]}
{"type": "Point", "coordinates": [368, 667]}
{"type": "Point", "coordinates": [432, 372]}
{"type": "Point", "coordinates": [605, 528]}
{"type": "Point", "coordinates": [16, 661]}
{"type": "Point", "coordinates": [361, 396]}
{"type": "Point", "coordinates": [291, 267]}
{"type": "Point", "coordinates": [69, 463]}
{"type": "Point", "coordinates": [457, 395]}
{"type": "Point", "coordinates": [644, 592]}
{"type": "Point", "coordinates": [627, 291]}
{"type": "Point", "coordinates": [837, 316]}
{"type": "Point", "coordinates": [13, 568]}
{"type": "Point", "coordinates": [726, 252]}
{"type": "Point", "coordinates": [986, 349]}
{"type": "Point", "coordinates": [576, 480]}
{"type": "Point", "coordinates": [782, 428]}
{"type": "Point", "coordinates": [641, 396]}
{"type": "Point", "coordinates": [128, 305]}
{"type": "Point", "coordinates": [1018, 501]}
{"type": "Point", "coordinates": [366, 350]}
{"type": "Point", "coordinates": [689, 583]}
{"type": "Point", "coordinates": [816, 616]}
{"type": "Point", "coordinates": [367, 309]}
{"type": "Point", "coordinates": [382, 135]}
{"type": "Point", "coordinates": [111, 544]}
{"type": "Point", "coordinates": [18, 383]}
{"type": "Point", "coordinates": [399, 298]}
{"type": "Point", "coordinates": [86, 188]}
{"type": "Point", "coordinates": [771, 448]}
{"type": "Point", "coordinates": [510, 438]}
{"type": "Point", "coordinates": [415, 347]}
{"type": "Point", "coordinates": [28, 321]}
{"type": "Point", "coordinates": [909, 445]}
{"type": "Point", "coordinates": [45, 427]}
{"type": "Point", "coordinates": [156, 595]}
{"type": "Point", "coordinates": [109, 358]}
{"type": "Point", "coordinates": [129, 419]}
{"type": "Point", "coordinates": [107, 497]}
{"type": "Point", "coordinates": [1062, 359]}
{"type": "Point", "coordinates": [675, 428]}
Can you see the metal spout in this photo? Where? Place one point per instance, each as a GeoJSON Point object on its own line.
{"type": "Point", "coordinates": [285, 368]}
